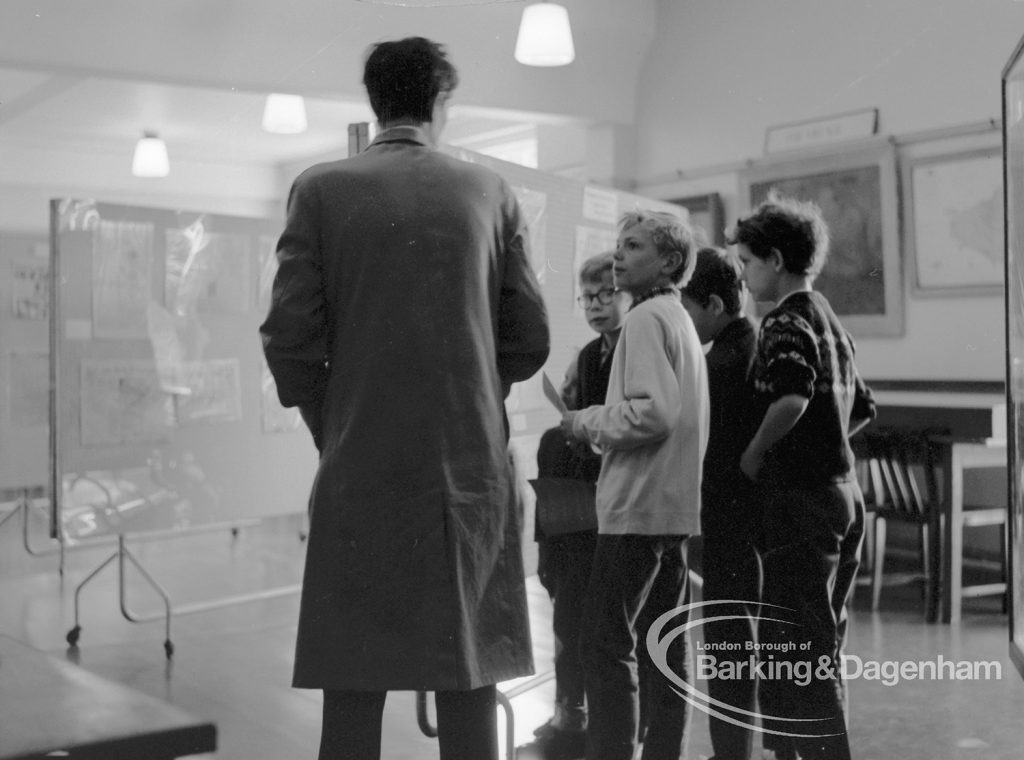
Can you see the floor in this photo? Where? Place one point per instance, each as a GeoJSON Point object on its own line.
{"type": "Point", "coordinates": [232, 665]}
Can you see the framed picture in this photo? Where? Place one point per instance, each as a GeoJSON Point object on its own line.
{"type": "Point", "coordinates": [706, 212]}
{"type": "Point", "coordinates": [953, 223]}
{"type": "Point", "coordinates": [1013, 179]}
{"type": "Point", "coordinates": [856, 192]}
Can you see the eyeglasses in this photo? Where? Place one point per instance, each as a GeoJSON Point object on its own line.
{"type": "Point", "coordinates": [604, 297]}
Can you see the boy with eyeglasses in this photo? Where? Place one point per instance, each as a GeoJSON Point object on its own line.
{"type": "Point", "coordinates": [564, 560]}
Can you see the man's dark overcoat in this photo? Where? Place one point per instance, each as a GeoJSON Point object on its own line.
{"type": "Point", "coordinates": [403, 308]}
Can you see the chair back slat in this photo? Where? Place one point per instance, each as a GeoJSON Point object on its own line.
{"type": "Point", "coordinates": [877, 489]}
{"type": "Point", "coordinates": [897, 456]}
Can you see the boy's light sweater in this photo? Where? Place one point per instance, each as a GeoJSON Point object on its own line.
{"type": "Point", "coordinates": [653, 428]}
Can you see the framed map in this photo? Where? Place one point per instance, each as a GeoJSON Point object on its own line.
{"type": "Point", "coordinates": [856, 192]}
{"type": "Point", "coordinates": [953, 209]}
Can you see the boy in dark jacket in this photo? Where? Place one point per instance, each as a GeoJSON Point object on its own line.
{"type": "Point", "coordinates": [728, 520]}
{"type": "Point", "coordinates": [565, 559]}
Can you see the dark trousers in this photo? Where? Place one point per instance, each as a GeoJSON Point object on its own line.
{"type": "Point", "coordinates": [732, 571]}
{"type": "Point", "coordinates": [564, 570]}
{"type": "Point", "coordinates": [634, 580]}
{"type": "Point", "coordinates": [812, 536]}
{"type": "Point", "coordinates": [466, 724]}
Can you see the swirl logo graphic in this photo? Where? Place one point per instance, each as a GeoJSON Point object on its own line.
{"type": "Point", "coordinates": [661, 636]}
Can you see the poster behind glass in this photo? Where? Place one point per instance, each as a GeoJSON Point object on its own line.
{"type": "Point", "coordinates": [164, 416]}
{"type": "Point", "coordinates": [1013, 167]}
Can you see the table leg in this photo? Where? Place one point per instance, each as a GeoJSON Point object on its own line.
{"type": "Point", "coordinates": [953, 537]}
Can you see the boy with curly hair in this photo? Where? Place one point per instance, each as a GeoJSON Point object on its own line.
{"type": "Point", "coordinates": [809, 399]}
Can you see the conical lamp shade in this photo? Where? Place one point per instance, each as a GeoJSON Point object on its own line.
{"type": "Point", "coordinates": [545, 38]}
{"type": "Point", "coordinates": [150, 159]}
{"type": "Point", "coordinates": [436, 3]}
{"type": "Point", "coordinates": [284, 114]}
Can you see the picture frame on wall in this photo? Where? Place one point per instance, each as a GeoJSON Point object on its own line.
{"type": "Point", "coordinates": [857, 193]}
{"type": "Point", "coordinates": [953, 223]}
{"type": "Point", "coordinates": [707, 212]}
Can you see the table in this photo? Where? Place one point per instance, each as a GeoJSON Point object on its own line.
{"type": "Point", "coordinates": [956, 456]}
{"type": "Point", "coordinates": [49, 705]}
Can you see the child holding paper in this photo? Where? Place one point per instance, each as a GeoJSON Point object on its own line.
{"type": "Point", "coordinates": [653, 431]}
{"type": "Point", "coordinates": [564, 559]}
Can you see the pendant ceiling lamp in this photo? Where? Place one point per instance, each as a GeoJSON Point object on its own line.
{"type": "Point", "coordinates": [435, 3]}
{"type": "Point", "coordinates": [284, 114]}
{"type": "Point", "coordinates": [545, 37]}
{"type": "Point", "coordinates": [150, 159]}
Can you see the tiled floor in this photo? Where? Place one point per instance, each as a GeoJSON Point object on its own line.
{"type": "Point", "coordinates": [232, 665]}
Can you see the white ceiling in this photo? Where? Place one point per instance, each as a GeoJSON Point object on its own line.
{"type": "Point", "coordinates": [92, 76]}
{"type": "Point", "coordinates": [201, 124]}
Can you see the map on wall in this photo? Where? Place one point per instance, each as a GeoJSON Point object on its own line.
{"type": "Point", "coordinates": [958, 222]}
{"type": "Point", "coordinates": [853, 279]}
{"type": "Point", "coordinates": [856, 191]}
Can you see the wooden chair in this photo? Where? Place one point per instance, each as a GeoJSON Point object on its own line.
{"type": "Point", "coordinates": [897, 462]}
{"type": "Point", "coordinates": [902, 470]}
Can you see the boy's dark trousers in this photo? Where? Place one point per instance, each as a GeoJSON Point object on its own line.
{"type": "Point", "coordinates": [731, 570]}
{"type": "Point", "coordinates": [812, 541]}
{"type": "Point", "coordinates": [634, 580]}
{"type": "Point", "coordinates": [564, 570]}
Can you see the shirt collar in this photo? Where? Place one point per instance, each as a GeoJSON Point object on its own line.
{"type": "Point", "coordinates": [403, 133]}
{"type": "Point", "coordinates": [664, 290]}
{"type": "Point", "coordinates": [792, 294]}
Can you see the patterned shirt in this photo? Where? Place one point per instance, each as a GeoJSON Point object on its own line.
{"type": "Point", "coordinates": [803, 350]}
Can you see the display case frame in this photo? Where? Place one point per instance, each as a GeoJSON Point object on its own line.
{"type": "Point", "coordinates": [1013, 207]}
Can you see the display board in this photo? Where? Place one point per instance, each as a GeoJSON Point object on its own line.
{"type": "Point", "coordinates": [24, 363]}
{"type": "Point", "coordinates": [164, 415]}
{"type": "Point", "coordinates": [569, 221]}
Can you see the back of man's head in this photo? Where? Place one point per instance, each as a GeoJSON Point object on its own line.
{"type": "Point", "coordinates": [404, 78]}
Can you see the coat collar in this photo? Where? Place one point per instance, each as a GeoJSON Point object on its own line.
{"type": "Point", "coordinates": [402, 134]}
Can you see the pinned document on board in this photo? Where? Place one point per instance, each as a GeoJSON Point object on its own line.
{"type": "Point", "coordinates": [552, 394]}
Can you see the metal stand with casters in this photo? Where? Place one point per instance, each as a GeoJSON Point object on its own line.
{"type": "Point", "coordinates": [123, 555]}
{"type": "Point", "coordinates": [23, 506]}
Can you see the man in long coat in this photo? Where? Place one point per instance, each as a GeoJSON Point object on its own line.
{"type": "Point", "coordinates": [403, 309]}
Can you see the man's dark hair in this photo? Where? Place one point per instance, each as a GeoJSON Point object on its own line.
{"type": "Point", "coordinates": [717, 274]}
{"type": "Point", "coordinates": [404, 78]}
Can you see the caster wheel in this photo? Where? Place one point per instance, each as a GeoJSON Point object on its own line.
{"type": "Point", "coordinates": [73, 634]}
